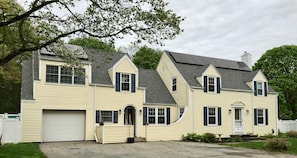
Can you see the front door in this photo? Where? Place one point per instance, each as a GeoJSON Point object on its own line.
{"type": "Point", "coordinates": [129, 117]}
{"type": "Point", "coordinates": [238, 121]}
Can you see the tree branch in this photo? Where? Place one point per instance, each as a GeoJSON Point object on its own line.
{"type": "Point", "coordinates": [27, 14]}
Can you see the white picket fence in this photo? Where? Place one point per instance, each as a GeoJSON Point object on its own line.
{"type": "Point", "coordinates": [10, 128]}
{"type": "Point", "coordinates": [287, 125]}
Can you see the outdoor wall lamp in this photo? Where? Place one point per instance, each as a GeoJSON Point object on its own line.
{"type": "Point", "coordinates": [120, 111]}
{"type": "Point", "coordinates": [247, 111]}
{"type": "Point", "coordinates": [230, 111]}
{"type": "Point", "coordinates": [140, 111]}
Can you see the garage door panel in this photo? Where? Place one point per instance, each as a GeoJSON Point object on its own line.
{"type": "Point", "coordinates": [63, 125]}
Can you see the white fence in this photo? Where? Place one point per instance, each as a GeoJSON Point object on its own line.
{"type": "Point", "coordinates": [287, 125]}
{"type": "Point", "coordinates": [10, 128]}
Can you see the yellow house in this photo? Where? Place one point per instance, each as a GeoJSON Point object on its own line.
{"type": "Point", "coordinates": [110, 100]}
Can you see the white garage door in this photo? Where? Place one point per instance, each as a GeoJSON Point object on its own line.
{"type": "Point", "coordinates": [63, 125]}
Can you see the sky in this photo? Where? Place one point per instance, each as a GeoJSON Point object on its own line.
{"type": "Point", "coordinates": [227, 28]}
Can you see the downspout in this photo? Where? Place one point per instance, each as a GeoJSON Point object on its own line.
{"type": "Point", "coordinates": [253, 121]}
{"type": "Point", "coordinates": [94, 118]}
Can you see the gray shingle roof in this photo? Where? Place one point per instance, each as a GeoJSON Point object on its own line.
{"type": "Point", "coordinates": [234, 74]}
{"type": "Point", "coordinates": [156, 91]}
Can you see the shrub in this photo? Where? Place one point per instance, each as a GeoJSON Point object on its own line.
{"type": "Point", "coordinates": [192, 137]}
{"type": "Point", "coordinates": [277, 144]}
{"type": "Point", "coordinates": [208, 138]}
{"type": "Point", "coordinates": [269, 136]}
{"type": "Point", "coordinates": [292, 134]}
{"type": "Point", "coordinates": [236, 139]}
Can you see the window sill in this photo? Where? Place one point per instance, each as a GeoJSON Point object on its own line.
{"type": "Point", "coordinates": [66, 85]}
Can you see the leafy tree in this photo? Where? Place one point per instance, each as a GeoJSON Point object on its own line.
{"type": "Point", "coordinates": [147, 58]}
{"type": "Point", "coordinates": [53, 20]}
{"type": "Point", "coordinates": [280, 67]}
{"type": "Point", "coordinates": [91, 42]}
{"type": "Point", "coordinates": [10, 87]}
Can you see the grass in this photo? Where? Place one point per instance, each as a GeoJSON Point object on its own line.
{"type": "Point", "coordinates": [22, 150]}
{"type": "Point", "coordinates": [261, 145]}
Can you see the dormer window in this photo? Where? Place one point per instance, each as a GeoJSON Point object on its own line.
{"type": "Point", "coordinates": [64, 75]}
{"type": "Point", "coordinates": [125, 82]}
{"type": "Point", "coordinates": [260, 88]}
{"type": "Point", "coordinates": [212, 84]}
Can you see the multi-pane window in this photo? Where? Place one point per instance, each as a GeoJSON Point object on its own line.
{"type": "Point", "coordinates": [211, 84]}
{"type": "Point", "coordinates": [161, 116]}
{"type": "Point", "coordinates": [181, 112]}
{"type": "Point", "coordinates": [64, 75]}
{"type": "Point", "coordinates": [156, 116]}
{"type": "Point", "coordinates": [106, 116]}
{"type": "Point", "coordinates": [174, 84]}
{"type": "Point", "coordinates": [125, 82]}
{"type": "Point", "coordinates": [151, 116]}
{"type": "Point", "coordinates": [259, 88]}
{"type": "Point", "coordinates": [260, 116]}
{"type": "Point", "coordinates": [79, 76]}
{"type": "Point", "coordinates": [52, 74]}
{"type": "Point", "coordinates": [212, 116]}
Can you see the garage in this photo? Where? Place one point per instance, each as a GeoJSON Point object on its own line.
{"type": "Point", "coordinates": [63, 125]}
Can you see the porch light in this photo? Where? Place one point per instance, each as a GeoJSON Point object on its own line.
{"type": "Point", "coordinates": [120, 111]}
{"type": "Point", "coordinates": [140, 111]}
{"type": "Point", "coordinates": [247, 111]}
{"type": "Point", "coordinates": [230, 111]}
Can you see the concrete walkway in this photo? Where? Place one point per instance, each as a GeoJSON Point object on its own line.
{"type": "Point", "coordinates": [166, 149]}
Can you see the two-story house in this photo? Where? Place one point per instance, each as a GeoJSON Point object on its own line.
{"type": "Point", "coordinates": [109, 99]}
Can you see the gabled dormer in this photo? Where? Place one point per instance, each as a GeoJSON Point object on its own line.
{"type": "Point", "coordinates": [124, 75]}
{"type": "Point", "coordinates": [211, 80]}
{"type": "Point", "coordinates": [260, 84]}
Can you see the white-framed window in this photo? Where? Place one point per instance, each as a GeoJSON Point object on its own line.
{"type": "Point", "coordinates": [106, 116]}
{"type": "Point", "coordinates": [174, 84]}
{"type": "Point", "coordinates": [52, 74]}
{"type": "Point", "coordinates": [151, 115]}
{"type": "Point", "coordinates": [156, 116]}
{"type": "Point", "coordinates": [212, 116]}
{"type": "Point", "coordinates": [125, 82]}
{"type": "Point", "coordinates": [211, 84]}
{"type": "Point", "coordinates": [64, 75]}
{"type": "Point", "coordinates": [161, 116]}
{"type": "Point", "coordinates": [260, 117]}
{"type": "Point", "coordinates": [259, 88]}
{"type": "Point", "coordinates": [181, 112]}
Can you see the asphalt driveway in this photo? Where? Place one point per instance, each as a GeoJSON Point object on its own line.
{"type": "Point", "coordinates": [164, 149]}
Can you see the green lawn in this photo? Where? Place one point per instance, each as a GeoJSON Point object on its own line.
{"type": "Point", "coordinates": [261, 145]}
{"type": "Point", "coordinates": [22, 150]}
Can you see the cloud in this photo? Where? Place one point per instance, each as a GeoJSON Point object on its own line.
{"type": "Point", "coordinates": [225, 29]}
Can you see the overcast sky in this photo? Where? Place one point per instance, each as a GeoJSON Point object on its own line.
{"type": "Point", "coordinates": [227, 28]}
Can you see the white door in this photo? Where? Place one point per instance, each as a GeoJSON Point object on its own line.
{"type": "Point", "coordinates": [63, 126]}
{"type": "Point", "coordinates": [238, 121]}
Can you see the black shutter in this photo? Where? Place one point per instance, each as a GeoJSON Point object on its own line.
{"type": "Point", "coordinates": [219, 116]}
{"type": "Point", "coordinates": [144, 115]}
{"type": "Point", "coordinates": [115, 116]}
{"type": "Point", "coordinates": [205, 83]}
{"type": "Point", "coordinates": [266, 116]}
{"type": "Point", "coordinates": [218, 84]}
{"type": "Point", "coordinates": [265, 88]}
{"type": "Point", "coordinates": [97, 116]}
{"type": "Point", "coordinates": [117, 82]}
{"type": "Point", "coordinates": [168, 116]}
{"type": "Point", "coordinates": [205, 115]}
{"type": "Point", "coordinates": [255, 117]}
{"type": "Point", "coordinates": [133, 83]}
{"type": "Point", "coordinates": [255, 88]}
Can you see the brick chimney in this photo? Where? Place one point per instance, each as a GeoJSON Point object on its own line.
{"type": "Point", "coordinates": [247, 59]}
